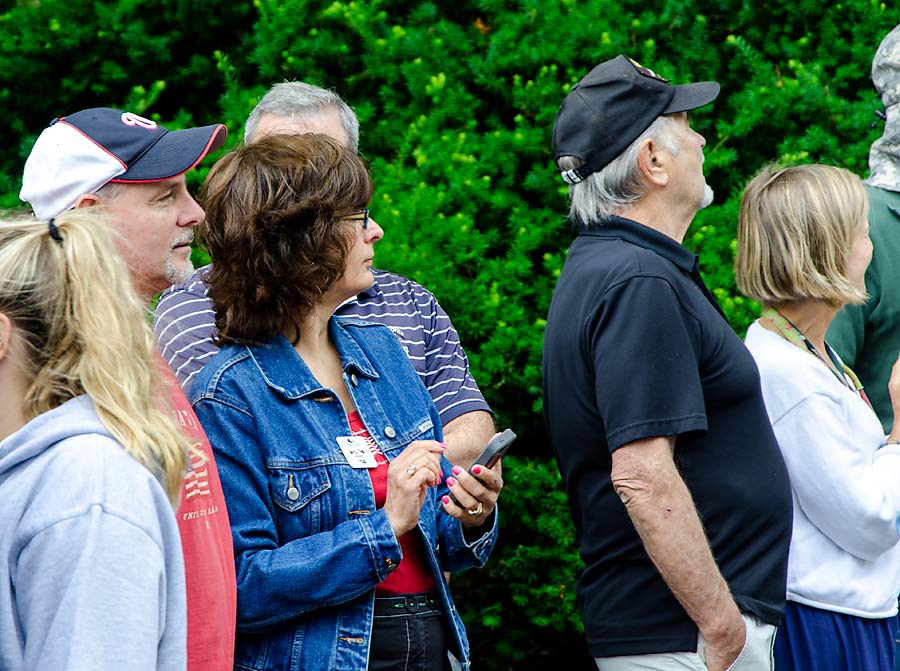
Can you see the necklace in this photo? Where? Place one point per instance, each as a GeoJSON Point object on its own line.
{"type": "Point", "coordinates": [795, 336]}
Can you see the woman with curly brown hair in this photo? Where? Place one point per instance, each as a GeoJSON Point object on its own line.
{"type": "Point", "coordinates": [328, 443]}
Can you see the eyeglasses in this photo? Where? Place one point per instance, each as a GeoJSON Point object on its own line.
{"type": "Point", "coordinates": [362, 215]}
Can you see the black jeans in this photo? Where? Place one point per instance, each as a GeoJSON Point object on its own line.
{"type": "Point", "coordinates": [408, 635]}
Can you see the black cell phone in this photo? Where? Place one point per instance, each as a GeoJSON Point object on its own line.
{"type": "Point", "coordinates": [496, 448]}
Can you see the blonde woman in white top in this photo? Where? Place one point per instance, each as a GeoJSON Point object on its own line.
{"type": "Point", "coordinates": [803, 249]}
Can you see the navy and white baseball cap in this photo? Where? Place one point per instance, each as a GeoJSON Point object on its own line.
{"type": "Point", "coordinates": [611, 106]}
{"type": "Point", "coordinates": [80, 153]}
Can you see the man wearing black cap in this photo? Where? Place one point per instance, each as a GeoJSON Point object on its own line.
{"type": "Point", "coordinates": [133, 169]}
{"type": "Point", "coordinates": [675, 481]}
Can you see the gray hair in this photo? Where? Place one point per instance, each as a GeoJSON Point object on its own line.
{"type": "Point", "coordinates": [300, 101]}
{"type": "Point", "coordinates": [617, 186]}
{"type": "Point", "coordinates": [110, 190]}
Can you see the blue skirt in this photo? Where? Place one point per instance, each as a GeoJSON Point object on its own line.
{"type": "Point", "coordinates": [811, 639]}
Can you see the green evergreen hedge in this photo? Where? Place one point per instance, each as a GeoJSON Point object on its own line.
{"type": "Point", "coordinates": [456, 102]}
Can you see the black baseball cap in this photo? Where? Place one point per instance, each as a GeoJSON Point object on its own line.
{"type": "Point", "coordinates": [80, 153]}
{"type": "Point", "coordinates": [611, 106]}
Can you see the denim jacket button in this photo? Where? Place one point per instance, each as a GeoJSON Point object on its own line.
{"type": "Point", "coordinates": [293, 493]}
{"type": "Point", "coordinates": [389, 431]}
{"type": "Point", "coordinates": [353, 379]}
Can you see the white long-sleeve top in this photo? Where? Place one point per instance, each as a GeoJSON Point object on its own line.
{"type": "Point", "coordinates": [845, 483]}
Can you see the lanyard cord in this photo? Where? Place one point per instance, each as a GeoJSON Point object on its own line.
{"type": "Point", "coordinates": [796, 337]}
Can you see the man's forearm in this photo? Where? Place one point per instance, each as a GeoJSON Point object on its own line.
{"type": "Point", "coordinates": [467, 435]}
{"type": "Point", "coordinates": [661, 508]}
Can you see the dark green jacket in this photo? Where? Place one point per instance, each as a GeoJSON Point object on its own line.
{"type": "Point", "coordinates": [867, 337]}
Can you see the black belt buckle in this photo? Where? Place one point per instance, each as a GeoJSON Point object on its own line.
{"type": "Point", "coordinates": [406, 603]}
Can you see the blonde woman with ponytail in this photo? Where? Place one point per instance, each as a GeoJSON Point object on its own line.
{"type": "Point", "coordinates": [91, 461]}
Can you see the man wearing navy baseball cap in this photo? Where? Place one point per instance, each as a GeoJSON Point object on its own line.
{"type": "Point", "coordinates": [675, 481]}
{"type": "Point", "coordinates": [133, 170]}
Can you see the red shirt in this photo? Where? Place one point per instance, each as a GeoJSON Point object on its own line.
{"type": "Point", "coordinates": [412, 574]}
{"type": "Point", "coordinates": [208, 552]}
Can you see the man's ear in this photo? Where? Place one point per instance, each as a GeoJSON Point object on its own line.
{"type": "Point", "coordinates": [88, 200]}
{"type": "Point", "coordinates": [653, 163]}
{"type": "Point", "coordinates": [6, 334]}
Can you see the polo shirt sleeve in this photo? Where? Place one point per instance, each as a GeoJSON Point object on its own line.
{"type": "Point", "coordinates": [646, 351]}
{"type": "Point", "coordinates": [447, 376]}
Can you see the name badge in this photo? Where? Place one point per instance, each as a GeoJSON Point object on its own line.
{"type": "Point", "coordinates": [356, 451]}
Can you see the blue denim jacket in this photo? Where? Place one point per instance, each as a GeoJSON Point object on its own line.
{"type": "Point", "coordinates": [309, 544]}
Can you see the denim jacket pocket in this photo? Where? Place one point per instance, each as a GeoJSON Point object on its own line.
{"type": "Point", "coordinates": [402, 434]}
{"type": "Point", "coordinates": [297, 491]}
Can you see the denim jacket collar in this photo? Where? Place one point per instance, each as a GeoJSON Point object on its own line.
{"type": "Point", "coordinates": [278, 361]}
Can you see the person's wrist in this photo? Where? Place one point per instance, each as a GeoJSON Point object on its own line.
{"type": "Point", "coordinates": [726, 630]}
{"type": "Point", "coordinates": [397, 523]}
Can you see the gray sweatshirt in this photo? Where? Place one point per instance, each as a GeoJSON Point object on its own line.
{"type": "Point", "coordinates": [91, 570]}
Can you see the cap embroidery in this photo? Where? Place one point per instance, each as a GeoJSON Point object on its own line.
{"type": "Point", "coordinates": [131, 119]}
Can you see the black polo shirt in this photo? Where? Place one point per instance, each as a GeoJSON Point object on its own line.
{"type": "Point", "coordinates": [636, 347]}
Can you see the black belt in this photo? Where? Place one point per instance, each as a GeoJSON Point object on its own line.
{"type": "Point", "coordinates": [404, 604]}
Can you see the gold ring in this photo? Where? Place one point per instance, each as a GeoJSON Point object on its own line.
{"type": "Point", "coordinates": [411, 470]}
{"type": "Point", "coordinates": [477, 510]}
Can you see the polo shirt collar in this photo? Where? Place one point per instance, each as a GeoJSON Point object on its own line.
{"type": "Point", "coordinates": [659, 243]}
{"type": "Point", "coordinates": [648, 238]}
{"type": "Point", "coordinates": [373, 290]}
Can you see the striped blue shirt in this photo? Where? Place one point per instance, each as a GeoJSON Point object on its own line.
{"type": "Point", "coordinates": [185, 325]}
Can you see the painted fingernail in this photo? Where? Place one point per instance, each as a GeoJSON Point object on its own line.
{"type": "Point", "coordinates": [456, 470]}
{"type": "Point", "coordinates": [450, 482]}
{"type": "Point", "coordinates": [476, 469]}
{"type": "Point", "coordinates": [445, 499]}
{"type": "Point", "coordinates": [443, 445]}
